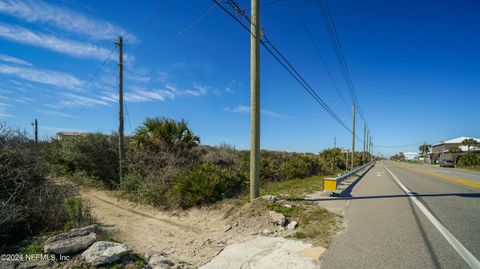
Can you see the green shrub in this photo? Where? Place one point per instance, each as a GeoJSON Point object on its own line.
{"type": "Point", "coordinates": [77, 213]}
{"type": "Point", "coordinates": [93, 157]}
{"type": "Point", "coordinates": [30, 203]}
{"type": "Point", "coordinates": [301, 166]}
{"type": "Point", "coordinates": [469, 159]}
{"type": "Point", "coordinates": [165, 135]}
{"type": "Point", "coordinates": [205, 183]}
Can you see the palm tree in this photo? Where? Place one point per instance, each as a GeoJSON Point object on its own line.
{"type": "Point", "coordinates": [425, 148]}
{"type": "Point", "coordinates": [469, 142]}
{"type": "Point", "coordinates": [165, 134]}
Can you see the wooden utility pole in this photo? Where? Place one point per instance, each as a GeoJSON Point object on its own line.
{"type": "Point", "coordinates": [364, 141]}
{"type": "Point", "coordinates": [255, 100]}
{"type": "Point", "coordinates": [424, 151]}
{"type": "Point", "coordinates": [35, 126]}
{"type": "Point", "coordinates": [121, 140]}
{"type": "Point", "coordinates": [353, 136]}
{"type": "Point", "coordinates": [370, 148]}
{"type": "Point", "coordinates": [346, 161]}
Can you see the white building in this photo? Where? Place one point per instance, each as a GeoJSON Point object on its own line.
{"type": "Point", "coordinates": [410, 156]}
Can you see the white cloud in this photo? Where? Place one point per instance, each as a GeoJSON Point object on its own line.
{"type": "Point", "coordinates": [5, 115]}
{"type": "Point", "coordinates": [44, 76]}
{"type": "Point", "coordinates": [63, 18]}
{"type": "Point", "coordinates": [246, 110]}
{"type": "Point", "coordinates": [58, 129]}
{"type": "Point", "coordinates": [139, 95]}
{"type": "Point", "coordinates": [62, 45]}
{"type": "Point", "coordinates": [53, 113]}
{"type": "Point", "coordinates": [13, 60]}
{"type": "Point", "coordinates": [78, 100]}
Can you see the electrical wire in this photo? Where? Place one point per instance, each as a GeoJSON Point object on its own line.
{"type": "Point", "coordinates": [128, 116]}
{"type": "Point", "coordinates": [398, 146]}
{"type": "Point", "coordinates": [273, 50]}
{"type": "Point", "coordinates": [322, 60]}
{"type": "Point", "coordinates": [335, 41]}
{"type": "Point", "coordinates": [88, 102]}
{"type": "Point", "coordinates": [97, 71]}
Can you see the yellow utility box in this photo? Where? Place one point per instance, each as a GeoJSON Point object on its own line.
{"type": "Point", "coordinates": [330, 184]}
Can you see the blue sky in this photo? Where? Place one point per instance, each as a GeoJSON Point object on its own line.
{"type": "Point", "coordinates": [414, 65]}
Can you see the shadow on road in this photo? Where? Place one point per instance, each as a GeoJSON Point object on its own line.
{"type": "Point", "coordinates": [465, 195]}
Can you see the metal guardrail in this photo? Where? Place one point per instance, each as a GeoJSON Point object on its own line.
{"type": "Point", "coordinates": [330, 184]}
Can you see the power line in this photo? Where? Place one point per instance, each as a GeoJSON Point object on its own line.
{"type": "Point", "coordinates": [317, 49]}
{"type": "Point", "coordinates": [88, 101]}
{"type": "Point", "coordinates": [128, 116]}
{"type": "Point", "coordinates": [399, 146]}
{"type": "Point", "coordinates": [272, 49]}
{"type": "Point", "coordinates": [97, 71]}
{"type": "Point", "coordinates": [151, 19]}
{"type": "Point", "coordinates": [334, 39]}
{"type": "Point", "coordinates": [182, 31]}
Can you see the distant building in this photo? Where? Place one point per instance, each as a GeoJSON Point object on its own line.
{"type": "Point", "coordinates": [442, 148]}
{"type": "Point", "coordinates": [410, 156]}
{"type": "Point", "coordinates": [66, 135]}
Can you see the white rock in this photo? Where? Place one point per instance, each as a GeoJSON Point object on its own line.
{"type": "Point", "coordinates": [267, 232]}
{"type": "Point", "coordinates": [278, 218]}
{"type": "Point", "coordinates": [71, 242]}
{"type": "Point", "coordinates": [160, 261]}
{"type": "Point", "coordinates": [104, 252]}
{"type": "Point", "coordinates": [292, 225]}
{"type": "Point", "coordinates": [269, 197]}
{"type": "Point", "coordinates": [287, 205]}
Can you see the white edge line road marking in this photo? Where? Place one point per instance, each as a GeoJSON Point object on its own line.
{"type": "Point", "coordinates": [461, 250]}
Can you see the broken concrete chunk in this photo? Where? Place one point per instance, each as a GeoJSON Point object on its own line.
{"type": "Point", "coordinates": [292, 225]}
{"type": "Point", "coordinates": [159, 260]}
{"type": "Point", "coordinates": [269, 197]}
{"type": "Point", "coordinates": [278, 218]}
{"type": "Point", "coordinates": [104, 252]}
{"type": "Point", "coordinates": [71, 242]}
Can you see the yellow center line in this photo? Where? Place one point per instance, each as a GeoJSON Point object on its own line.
{"type": "Point", "coordinates": [466, 182]}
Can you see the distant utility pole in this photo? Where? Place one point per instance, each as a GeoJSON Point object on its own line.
{"type": "Point", "coordinates": [367, 143]}
{"type": "Point", "coordinates": [353, 135]}
{"type": "Point", "coordinates": [255, 100]}
{"type": "Point", "coordinates": [121, 140]}
{"type": "Point", "coordinates": [364, 141]}
{"type": "Point", "coordinates": [334, 142]}
{"type": "Point", "coordinates": [346, 160]}
{"type": "Point", "coordinates": [424, 151]}
{"type": "Point", "coordinates": [35, 127]}
{"type": "Point", "coordinates": [370, 148]}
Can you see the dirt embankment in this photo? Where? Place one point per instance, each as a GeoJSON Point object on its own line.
{"type": "Point", "coordinates": [193, 236]}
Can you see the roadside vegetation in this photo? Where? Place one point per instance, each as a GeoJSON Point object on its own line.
{"type": "Point", "coordinates": [166, 166]}
{"type": "Point", "coordinates": [470, 161]}
{"type": "Point", "coordinates": [31, 203]}
{"type": "Point", "coordinates": [317, 225]}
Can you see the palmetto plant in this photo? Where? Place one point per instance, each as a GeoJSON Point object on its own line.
{"type": "Point", "coordinates": [454, 150]}
{"type": "Point", "coordinates": [165, 134]}
{"type": "Point", "coordinates": [425, 148]}
{"type": "Point", "coordinates": [469, 142]}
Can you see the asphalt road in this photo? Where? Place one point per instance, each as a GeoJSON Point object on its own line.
{"type": "Point", "coordinates": [409, 216]}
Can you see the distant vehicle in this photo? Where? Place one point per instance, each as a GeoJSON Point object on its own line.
{"type": "Point", "coordinates": [447, 163]}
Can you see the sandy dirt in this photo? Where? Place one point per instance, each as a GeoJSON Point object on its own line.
{"type": "Point", "coordinates": [192, 237]}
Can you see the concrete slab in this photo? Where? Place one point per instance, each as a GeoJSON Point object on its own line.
{"type": "Point", "coordinates": [264, 252]}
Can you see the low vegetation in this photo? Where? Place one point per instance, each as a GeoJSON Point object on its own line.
{"type": "Point", "coordinates": [317, 225]}
{"type": "Point", "coordinates": [30, 203]}
{"type": "Point", "coordinates": [470, 160]}
{"type": "Point", "coordinates": [166, 166]}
